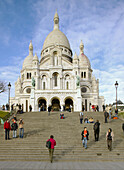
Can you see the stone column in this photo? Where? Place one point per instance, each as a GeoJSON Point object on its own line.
{"type": "Point", "coordinates": [32, 98]}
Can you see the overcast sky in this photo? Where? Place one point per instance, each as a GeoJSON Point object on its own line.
{"type": "Point", "coordinates": [98, 23]}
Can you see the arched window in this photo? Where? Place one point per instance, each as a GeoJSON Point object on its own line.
{"type": "Point", "coordinates": [84, 74]}
{"type": "Point", "coordinates": [67, 85]}
{"type": "Point", "coordinates": [44, 86]}
{"type": "Point", "coordinates": [27, 76]}
{"type": "Point", "coordinates": [30, 75]}
{"type": "Point", "coordinates": [55, 58]}
{"type": "Point", "coordinates": [55, 79]}
{"type": "Point", "coordinates": [81, 74]}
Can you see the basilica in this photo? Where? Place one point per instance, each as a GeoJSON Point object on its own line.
{"type": "Point", "coordinates": [60, 79]}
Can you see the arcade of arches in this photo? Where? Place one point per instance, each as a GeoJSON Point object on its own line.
{"type": "Point", "coordinates": [55, 104]}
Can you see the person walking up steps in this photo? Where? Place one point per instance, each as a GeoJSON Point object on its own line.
{"type": "Point", "coordinates": [85, 135]}
{"type": "Point", "coordinates": [81, 117]}
{"type": "Point", "coordinates": [96, 130]}
{"type": "Point", "coordinates": [109, 138]}
{"type": "Point", "coordinates": [50, 145]}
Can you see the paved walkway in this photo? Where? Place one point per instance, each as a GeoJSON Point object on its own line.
{"type": "Point", "coordinates": [61, 165]}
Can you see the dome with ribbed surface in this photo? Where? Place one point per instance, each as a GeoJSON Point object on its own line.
{"type": "Point", "coordinates": [56, 37]}
{"type": "Point", "coordinates": [84, 61]}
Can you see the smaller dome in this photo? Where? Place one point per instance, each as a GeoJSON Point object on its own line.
{"type": "Point", "coordinates": [75, 56]}
{"type": "Point", "coordinates": [84, 61]}
{"type": "Point", "coordinates": [28, 60]}
{"type": "Point", "coordinates": [35, 57]}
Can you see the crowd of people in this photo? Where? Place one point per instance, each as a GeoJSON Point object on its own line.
{"type": "Point", "coordinates": [14, 127]}
{"type": "Point", "coordinates": [50, 143]}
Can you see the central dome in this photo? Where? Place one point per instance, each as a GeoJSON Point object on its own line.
{"type": "Point", "coordinates": [56, 37]}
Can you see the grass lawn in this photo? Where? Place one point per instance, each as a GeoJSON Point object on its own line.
{"type": "Point", "coordinates": [121, 114]}
{"type": "Point", "coordinates": [3, 114]}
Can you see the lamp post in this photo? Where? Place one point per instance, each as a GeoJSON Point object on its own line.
{"type": "Point", "coordinates": [116, 86]}
{"type": "Point", "coordinates": [9, 87]}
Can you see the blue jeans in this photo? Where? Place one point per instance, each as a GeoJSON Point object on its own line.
{"type": "Point", "coordinates": [21, 132]}
{"type": "Point", "coordinates": [84, 141]}
{"type": "Point", "coordinates": [14, 133]}
{"type": "Point", "coordinates": [109, 115]}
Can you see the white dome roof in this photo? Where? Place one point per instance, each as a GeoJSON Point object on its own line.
{"type": "Point", "coordinates": [28, 60]}
{"type": "Point", "coordinates": [56, 37]}
{"type": "Point", "coordinates": [84, 61]}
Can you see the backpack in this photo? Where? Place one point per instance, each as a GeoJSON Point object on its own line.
{"type": "Point", "coordinates": [48, 144]}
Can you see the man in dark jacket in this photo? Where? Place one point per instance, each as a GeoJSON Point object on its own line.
{"type": "Point", "coordinates": [7, 128]}
{"type": "Point", "coordinates": [49, 110]}
{"type": "Point", "coordinates": [85, 135]}
{"type": "Point", "coordinates": [14, 128]}
{"type": "Point", "coordinates": [106, 116]}
{"type": "Point", "coordinates": [96, 128]}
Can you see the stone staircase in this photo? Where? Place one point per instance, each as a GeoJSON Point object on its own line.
{"type": "Point", "coordinates": [38, 126]}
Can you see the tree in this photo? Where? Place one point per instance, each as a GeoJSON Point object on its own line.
{"type": "Point", "coordinates": [2, 86]}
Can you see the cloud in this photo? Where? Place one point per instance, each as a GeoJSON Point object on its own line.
{"type": "Point", "coordinates": [99, 24]}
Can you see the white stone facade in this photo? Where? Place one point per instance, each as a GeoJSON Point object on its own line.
{"type": "Point", "coordinates": [55, 77]}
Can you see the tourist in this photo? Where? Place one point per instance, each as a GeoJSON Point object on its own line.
{"type": "Point", "coordinates": [123, 127]}
{"type": "Point", "coordinates": [51, 148]}
{"type": "Point", "coordinates": [85, 135]}
{"type": "Point", "coordinates": [97, 108]}
{"type": "Point", "coordinates": [3, 107]}
{"type": "Point", "coordinates": [90, 120]}
{"type": "Point", "coordinates": [30, 108]}
{"type": "Point", "coordinates": [81, 116]}
{"type": "Point", "coordinates": [109, 138]}
{"type": "Point", "coordinates": [106, 116]}
{"type": "Point", "coordinates": [14, 127]}
{"type": "Point", "coordinates": [103, 106]}
{"type": "Point", "coordinates": [49, 110]}
{"type": "Point", "coordinates": [86, 120]}
{"type": "Point", "coordinates": [110, 113]}
{"type": "Point", "coordinates": [7, 106]}
{"type": "Point", "coordinates": [116, 112]}
{"type": "Point", "coordinates": [70, 108]}
{"type": "Point", "coordinates": [43, 107]}
{"type": "Point", "coordinates": [12, 107]}
{"type": "Point", "coordinates": [7, 128]}
{"type": "Point", "coordinates": [21, 128]}
{"type": "Point", "coordinates": [93, 108]}
{"type": "Point", "coordinates": [96, 128]}
{"type": "Point", "coordinates": [62, 116]}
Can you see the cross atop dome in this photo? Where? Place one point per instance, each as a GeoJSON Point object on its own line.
{"type": "Point", "coordinates": [56, 21]}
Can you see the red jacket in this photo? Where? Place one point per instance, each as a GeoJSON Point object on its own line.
{"type": "Point", "coordinates": [7, 125]}
{"type": "Point", "coordinates": [53, 143]}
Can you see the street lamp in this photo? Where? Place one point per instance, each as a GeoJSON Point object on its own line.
{"type": "Point", "coordinates": [9, 87]}
{"type": "Point", "coordinates": [116, 86]}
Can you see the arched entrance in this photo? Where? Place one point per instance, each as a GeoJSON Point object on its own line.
{"type": "Point", "coordinates": [42, 104]}
{"type": "Point", "coordinates": [69, 104]}
{"type": "Point", "coordinates": [55, 104]}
